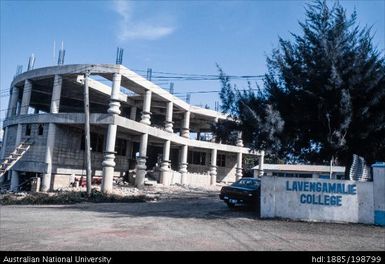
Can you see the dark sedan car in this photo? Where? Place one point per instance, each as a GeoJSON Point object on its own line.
{"type": "Point", "coordinates": [245, 191]}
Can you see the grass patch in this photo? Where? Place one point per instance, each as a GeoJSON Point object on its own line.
{"type": "Point", "coordinates": [69, 198]}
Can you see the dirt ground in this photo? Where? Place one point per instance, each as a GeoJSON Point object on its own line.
{"type": "Point", "coordinates": [178, 218]}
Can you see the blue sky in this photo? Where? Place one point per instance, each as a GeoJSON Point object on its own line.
{"type": "Point", "coordinates": [168, 36]}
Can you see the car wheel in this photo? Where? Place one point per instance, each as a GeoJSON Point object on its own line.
{"type": "Point", "coordinates": [230, 205]}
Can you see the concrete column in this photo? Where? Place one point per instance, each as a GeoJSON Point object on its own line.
{"type": "Point", "coordinates": [109, 159]}
{"type": "Point", "coordinates": [239, 139]}
{"type": "Point", "coordinates": [55, 105]}
{"type": "Point", "coordinates": [109, 153]}
{"type": "Point", "coordinates": [378, 193]}
{"type": "Point", "coordinates": [213, 167]}
{"type": "Point", "coordinates": [239, 143]}
{"type": "Point", "coordinates": [168, 123]}
{"type": "Point", "coordinates": [9, 109]}
{"type": "Point", "coordinates": [2, 153]}
{"type": "Point", "coordinates": [133, 113]}
{"type": "Point", "coordinates": [166, 151]}
{"type": "Point", "coordinates": [115, 91]}
{"type": "Point", "coordinates": [15, 181]}
{"type": "Point", "coordinates": [15, 174]}
{"type": "Point", "coordinates": [165, 175]}
{"type": "Point", "coordinates": [56, 92]}
{"type": "Point", "coordinates": [261, 162]}
{"type": "Point", "coordinates": [5, 136]}
{"type": "Point", "coordinates": [238, 173]}
{"type": "Point", "coordinates": [141, 162]}
{"type": "Point", "coordinates": [12, 105]}
{"type": "Point", "coordinates": [186, 125]}
{"type": "Point", "coordinates": [143, 145]}
{"type": "Point", "coordinates": [47, 176]}
{"type": "Point", "coordinates": [183, 164]}
{"type": "Point", "coordinates": [146, 114]}
{"type": "Point", "coordinates": [26, 97]}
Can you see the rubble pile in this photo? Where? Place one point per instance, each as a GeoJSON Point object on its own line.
{"type": "Point", "coordinates": [121, 192]}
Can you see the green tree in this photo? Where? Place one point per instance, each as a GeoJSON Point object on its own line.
{"type": "Point", "coordinates": [325, 87]}
{"type": "Point", "coordinates": [253, 114]}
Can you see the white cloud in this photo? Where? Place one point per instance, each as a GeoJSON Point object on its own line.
{"type": "Point", "coordinates": [130, 29]}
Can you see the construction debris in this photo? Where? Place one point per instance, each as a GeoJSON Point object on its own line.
{"type": "Point", "coordinates": [120, 193]}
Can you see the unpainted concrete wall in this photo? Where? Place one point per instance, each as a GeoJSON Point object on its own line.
{"type": "Point", "coordinates": [34, 159]}
{"type": "Point", "coordinates": [227, 174]}
{"type": "Point", "coordinates": [67, 152]}
{"type": "Point", "coordinates": [37, 151]}
{"type": "Point", "coordinates": [193, 179]}
{"type": "Point", "coordinates": [277, 201]}
{"type": "Point", "coordinates": [196, 179]}
{"type": "Point", "coordinates": [60, 181]}
{"type": "Point", "coordinates": [175, 177]}
{"type": "Point", "coordinates": [11, 140]}
{"type": "Point", "coordinates": [224, 174]}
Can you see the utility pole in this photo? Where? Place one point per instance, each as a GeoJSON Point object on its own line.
{"type": "Point", "coordinates": [87, 132]}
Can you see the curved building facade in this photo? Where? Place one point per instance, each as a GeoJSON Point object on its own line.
{"type": "Point", "coordinates": [136, 126]}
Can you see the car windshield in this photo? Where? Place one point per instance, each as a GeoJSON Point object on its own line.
{"type": "Point", "coordinates": [247, 182]}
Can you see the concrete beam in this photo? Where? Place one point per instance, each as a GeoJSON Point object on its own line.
{"type": "Point", "coordinates": [130, 125]}
{"type": "Point", "coordinates": [60, 118]}
{"type": "Point", "coordinates": [132, 81]}
{"type": "Point", "coordinates": [70, 69]}
{"type": "Point", "coordinates": [104, 89]}
{"type": "Point", "coordinates": [162, 134]}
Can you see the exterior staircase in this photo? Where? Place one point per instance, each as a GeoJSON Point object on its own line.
{"type": "Point", "coordinates": [15, 156]}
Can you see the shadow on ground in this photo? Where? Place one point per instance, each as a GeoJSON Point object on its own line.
{"type": "Point", "coordinates": [209, 207]}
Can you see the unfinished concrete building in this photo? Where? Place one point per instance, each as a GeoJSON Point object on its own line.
{"type": "Point", "coordinates": [136, 126]}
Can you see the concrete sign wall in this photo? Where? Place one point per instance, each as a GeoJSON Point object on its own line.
{"type": "Point", "coordinates": [379, 193]}
{"type": "Point", "coordinates": [317, 199]}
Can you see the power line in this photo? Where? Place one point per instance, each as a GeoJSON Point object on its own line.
{"type": "Point", "coordinates": [163, 80]}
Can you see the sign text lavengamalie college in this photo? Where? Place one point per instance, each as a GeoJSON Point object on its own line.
{"type": "Point", "coordinates": [329, 194]}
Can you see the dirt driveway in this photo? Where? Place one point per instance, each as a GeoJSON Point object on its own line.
{"type": "Point", "coordinates": [196, 221]}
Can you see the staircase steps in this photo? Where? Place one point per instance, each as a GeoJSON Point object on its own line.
{"type": "Point", "coordinates": [15, 156]}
